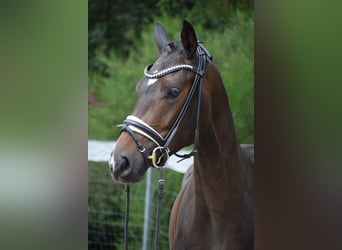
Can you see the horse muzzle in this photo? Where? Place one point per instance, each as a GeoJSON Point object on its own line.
{"type": "Point", "coordinates": [122, 169]}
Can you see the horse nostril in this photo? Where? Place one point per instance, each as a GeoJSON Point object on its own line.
{"type": "Point", "coordinates": [121, 165]}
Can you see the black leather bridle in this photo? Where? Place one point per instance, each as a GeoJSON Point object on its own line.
{"type": "Point", "coordinates": [160, 154]}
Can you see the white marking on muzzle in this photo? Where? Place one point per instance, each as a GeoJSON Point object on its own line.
{"type": "Point", "coordinates": [111, 162]}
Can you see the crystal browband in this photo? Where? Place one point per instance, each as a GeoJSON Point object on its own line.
{"type": "Point", "coordinates": [158, 74]}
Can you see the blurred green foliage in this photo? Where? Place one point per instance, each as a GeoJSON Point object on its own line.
{"type": "Point", "coordinates": [118, 24]}
{"type": "Point", "coordinates": [112, 98]}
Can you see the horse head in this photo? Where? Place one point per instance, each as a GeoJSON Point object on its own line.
{"type": "Point", "coordinates": [166, 112]}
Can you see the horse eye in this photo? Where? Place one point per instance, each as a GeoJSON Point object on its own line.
{"type": "Point", "coordinates": [172, 92]}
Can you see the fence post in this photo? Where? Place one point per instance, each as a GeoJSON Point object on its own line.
{"type": "Point", "coordinates": [147, 213]}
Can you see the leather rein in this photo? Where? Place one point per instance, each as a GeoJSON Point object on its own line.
{"type": "Point", "coordinates": [160, 154]}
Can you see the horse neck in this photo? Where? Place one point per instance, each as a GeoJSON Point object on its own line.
{"type": "Point", "coordinates": [219, 172]}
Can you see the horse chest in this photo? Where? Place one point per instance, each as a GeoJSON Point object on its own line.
{"type": "Point", "coordinates": [196, 228]}
{"type": "Point", "coordinates": [201, 236]}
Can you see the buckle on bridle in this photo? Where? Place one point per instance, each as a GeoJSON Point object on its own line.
{"type": "Point", "coordinates": [159, 157]}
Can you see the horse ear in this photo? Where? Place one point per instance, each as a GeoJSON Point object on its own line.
{"type": "Point", "coordinates": [160, 36]}
{"type": "Point", "coordinates": [189, 39]}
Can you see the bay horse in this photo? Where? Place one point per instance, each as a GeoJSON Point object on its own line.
{"type": "Point", "coordinates": [181, 101]}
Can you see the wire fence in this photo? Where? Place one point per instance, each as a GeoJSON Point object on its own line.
{"type": "Point", "coordinates": [106, 207]}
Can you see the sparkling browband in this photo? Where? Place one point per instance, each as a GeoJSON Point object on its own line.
{"type": "Point", "coordinates": [169, 70]}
